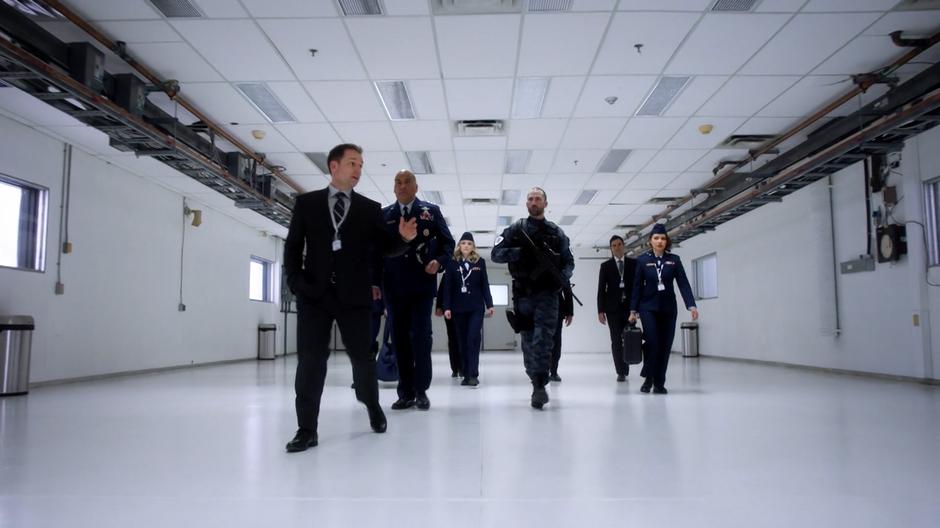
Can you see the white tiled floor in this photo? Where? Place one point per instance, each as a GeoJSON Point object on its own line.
{"type": "Point", "coordinates": [731, 445]}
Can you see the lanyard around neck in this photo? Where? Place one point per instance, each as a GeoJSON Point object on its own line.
{"type": "Point", "coordinates": [336, 225]}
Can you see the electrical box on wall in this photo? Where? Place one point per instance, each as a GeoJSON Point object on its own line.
{"type": "Point", "coordinates": [892, 242]}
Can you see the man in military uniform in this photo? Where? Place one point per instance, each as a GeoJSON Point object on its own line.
{"type": "Point", "coordinates": [541, 264]}
{"type": "Point", "coordinates": [409, 284]}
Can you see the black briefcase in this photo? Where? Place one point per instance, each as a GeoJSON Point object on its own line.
{"type": "Point", "coordinates": [632, 345]}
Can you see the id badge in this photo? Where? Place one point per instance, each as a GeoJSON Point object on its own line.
{"type": "Point", "coordinates": [463, 289]}
{"type": "Point", "coordinates": [337, 245]}
{"type": "Point", "coordinates": [661, 287]}
{"type": "Point", "coordinates": [621, 285]}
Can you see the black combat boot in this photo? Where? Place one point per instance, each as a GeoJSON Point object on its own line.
{"type": "Point", "coordinates": [539, 394]}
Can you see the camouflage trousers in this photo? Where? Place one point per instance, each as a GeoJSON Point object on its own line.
{"type": "Point", "coordinates": [537, 343]}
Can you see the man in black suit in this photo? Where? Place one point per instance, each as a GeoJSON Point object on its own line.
{"type": "Point", "coordinates": [344, 238]}
{"type": "Point", "coordinates": [614, 286]}
{"type": "Point", "coordinates": [409, 284]}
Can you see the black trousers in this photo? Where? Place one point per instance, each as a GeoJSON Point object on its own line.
{"type": "Point", "coordinates": [659, 330]}
{"type": "Point", "coordinates": [556, 346]}
{"type": "Point", "coordinates": [453, 347]}
{"type": "Point", "coordinates": [411, 334]}
{"type": "Point", "coordinates": [616, 322]}
{"type": "Point", "coordinates": [314, 330]}
{"type": "Point", "coordinates": [469, 327]}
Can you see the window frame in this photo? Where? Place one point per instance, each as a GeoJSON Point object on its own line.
{"type": "Point", "coordinates": [698, 282]}
{"type": "Point", "coordinates": [267, 279]}
{"type": "Point", "coordinates": [932, 221]}
{"type": "Point", "coordinates": [39, 224]}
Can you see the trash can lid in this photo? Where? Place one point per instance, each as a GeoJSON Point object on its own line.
{"type": "Point", "coordinates": [267, 326]}
{"type": "Point", "coordinates": [17, 322]}
{"type": "Point", "coordinates": [689, 325]}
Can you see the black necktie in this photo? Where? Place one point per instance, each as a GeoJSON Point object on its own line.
{"type": "Point", "coordinates": [404, 212]}
{"type": "Point", "coordinates": [339, 208]}
{"type": "Point", "coordinates": [620, 267]}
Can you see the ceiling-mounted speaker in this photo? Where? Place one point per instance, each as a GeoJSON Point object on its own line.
{"type": "Point", "coordinates": [86, 65]}
{"type": "Point", "coordinates": [129, 93]}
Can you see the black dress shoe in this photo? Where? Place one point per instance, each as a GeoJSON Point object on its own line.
{"type": "Point", "coordinates": [660, 390]}
{"type": "Point", "coordinates": [621, 377]}
{"type": "Point", "coordinates": [377, 418]}
{"type": "Point", "coordinates": [647, 385]}
{"type": "Point", "coordinates": [466, 381]}
{"type": "Point", "coordinates": [422, 401]}
{"type": "Point", "coordinates": [474, 382]}
{"type": "Point", "coordinates": [555, 377]}
{"type": "Point", "coordinates": [302, 440]}
{"type": "Point", "coordinates": [454, 373]}
{"type": "Point", "coordinates": [403, 403]}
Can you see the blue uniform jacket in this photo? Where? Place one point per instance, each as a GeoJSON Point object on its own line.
{"type": "Point", "coordinates": [404, 275]}
{"type": "Point", "coordinates": [646, 295]}
{"type": "Point", "coordinates": [477, 296]}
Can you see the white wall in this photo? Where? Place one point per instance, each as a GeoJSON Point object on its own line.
{"type": "Point", "coordinates": [775, 271]}
{"type": "Point", "coordinates": [119, 311]}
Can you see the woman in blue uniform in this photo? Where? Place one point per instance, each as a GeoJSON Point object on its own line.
{"type": "Point", "coordinates": [466, 300]}
{"type": "Point", "coordinates": [654, 301]}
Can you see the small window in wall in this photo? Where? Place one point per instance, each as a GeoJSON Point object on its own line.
{"type": "Point", "coordinates": [705, 280]}
{"type": "Point", "coordinates": [23, 208]}
{"type": "Point", "coordinates": [500, 294]}
{"type": "Point", "coordinates": [932, 220]}
{"type": "Point", "coordinates": [261, 280]}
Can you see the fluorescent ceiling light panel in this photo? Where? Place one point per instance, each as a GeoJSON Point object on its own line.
{"type": "Point", "coordinates": [434, 197]}
{"type": "Point", "coordinates": [585, 197]}
{"type": "Point", "coordinates": [528, 97]}
{"type": "Point", "coordinates": [510, 197]}
{"type": "Point", "coordinates": [420, 162]}
{"type": "Point", "coordinates": [568, 220]}
{"type": "Point", "coordinates": [319, 159]}
{"type": "Point", "coordinates": [517, 161]}
{"type": "Point", "coordinates": [266, 102]}
{"type": "Point", "coordinates": [396, 99]}
{"type": "Point", "coordinates": [613, 160]}
{"type": "Point", "coordinates": [177, 8]}
{"type": "Point", "coordinates": [549, 6]}
{"type": "Point", "coordinates": [662, 95]}
{"type": "Point", "coordinates": [361, 7]}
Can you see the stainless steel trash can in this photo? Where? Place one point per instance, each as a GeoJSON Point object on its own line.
{"type": "Point", "coordinates": [16, 338]}
{"type": "Point", "coordinates": [267, 342]}
{"type": "Point", "coordinates": [689, 339]}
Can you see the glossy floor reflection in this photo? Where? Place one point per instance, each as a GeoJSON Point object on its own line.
{"type": "Point", "coordinates": [731, 445]}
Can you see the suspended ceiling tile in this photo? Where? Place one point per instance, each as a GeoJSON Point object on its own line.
{"type": "Point", "coordinates": [478, 98]}
{"type": "Point", "coordinates": [629, 91]}
{"type": "Point", "coordinates": [540, 161]}
{"type": "Point", "coordinates": [480, 181]}
{"type": "Point", "coordinates": [565, 181]}
{"type": "Point", "coordinates": [816, 37]}
{"type": "Point", "coordinates": [637, 160]}
{"type": "Point", "coordinates": [480, 162]}
{"type": "Point", "coordinates": [562, 96]}
{"type": "Point", "coordinates": [135, 31]}
{"type": "Point", "coordinates": [174, 60]}
{"type": "Point", "coordinates": [250, 57]}
{"type": "Point", "coordinates": [406, 7]}
{"type": "Point", "coordinates": [536, 133]}
{"type": "Point", "coordinates": [665, 5]}
{"type": "Point", "coordinates": [347, 100]}
{"type": "Point", "coordinates": [593, 5]}
{"type": "Point", "coordinates": [849, 5]}
{"type": "Point", "coordinates": [577, 161]}
{"type": "Point", "coordinates": [221, 102]}
{"type": "Point", "coordinates": [612, 180]}
{"type": "Point", "coordinates": [296, 99]}
{"type": "Point", "coordinates": [94, 10]}
{"type": "Point", "coordinates": [767, 125]}
{"type": "Point", "coordinates": [424, 135]}
{"type": "Point", "coordinates": [294, 163]}
{"type": "Point", "coordinates": [311, 182]}
{"type": "Point", "coordinates": [779, 6]}
{"type": "Point", "coordinates": [442, 182]}
{"type": "Point", "coordinates": [689, 180]}
{"type": "Point", "coordinates": [633, 196]}
{"type": "Point", "coordinates": [651, 180]}
{"type": "Point", "coordinates": [428, 99]}
{"type": "Point", "coordinates": [382, 167]}
{"type": "Point", "coordinates": [395, 48]}
{"type": "Point", "coordinates": [310, 137]}
{"type": "Point", "coordinates": [592, 133]}
{"type": "Point", "coordinates": [648, 132]}
{"type": "Point", "coordinates": [708, 162]}
{"type": "Point", "coordinates": [443, 161]}
{"type": "Point", "coordinates": [721, 43]}
{"type": "Point", "coordinates": [697, 91]}
{"type": "Point", "coordinates": [913, 23]}
{"type": "Point", "coordinates": [674, 160]}
{"type": "Point", "coordinates": [370, 136]}
{"type": "Point", "coordinates": [480, 143]}
{"type": "Point", "coordinates": [743, 96]}
{"type": "Point", "coordinates": [273, 141]}
{"type": "Point", "coordinates": [478, 46]}
{"type": "Point", "coordinates": [335, 57]}
{"type": "Point", "coordinates": [805, 97]}
{"type": "Point", "coordinates": [659, 33]}
{"type": "Point", "coordinates": [864, 54]}
{"type": "Point", "coordinates": [689, 136]}
{"type": "Point", "coordinates": [221, 8]}
{"type": "Point", "coordinates": [290, 8]}
{"type": "Point", "coordinates": [543, 52]}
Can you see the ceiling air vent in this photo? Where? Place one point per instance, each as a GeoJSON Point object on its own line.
{"type": "Point", "coordinates": [177, 8]}
{"type": "Point", "coordinates": [549, 6]}
{"type": "Point", "coordinates": [734, 5]}
{"type": "Point", "coordinates": [664, 200]}
{"type": "Point", "coordinates": [662, 95]}
{"type": "Point", "coordinates": [480, 127]}
{"type": "Point", "coordinates": [745, 141]}
{"type": "Point", "coordinates": [361, 7]}
{"type": "Point", "coordinates": [266, 102]}
{"type": "Point", "coordinates": [481, 201]}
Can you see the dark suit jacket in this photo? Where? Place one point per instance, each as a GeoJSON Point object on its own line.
{"type": "Point", "coordinates": [364, 240]}
{"type": "Point", "coordinates": [404, 275]}
{"type": "Point", "coordinates": [646, 294]}
{"type": "Point", "coordinates": [610, 298]}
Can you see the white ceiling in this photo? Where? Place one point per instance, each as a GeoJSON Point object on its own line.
{"type": "Point", "coordinates": [756, 72]}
